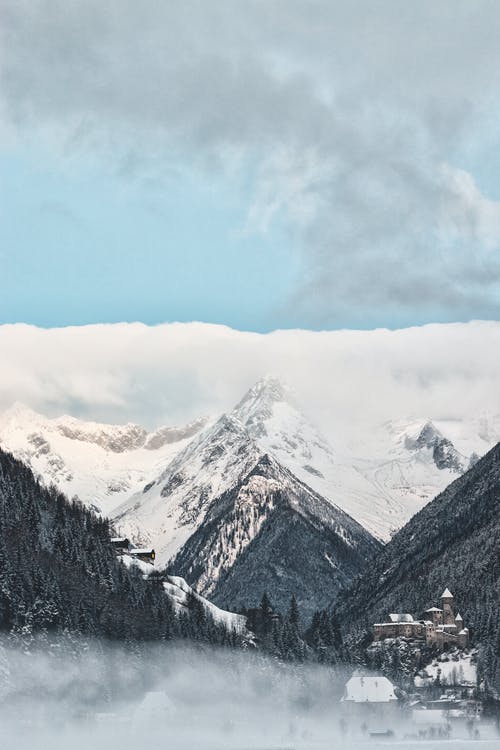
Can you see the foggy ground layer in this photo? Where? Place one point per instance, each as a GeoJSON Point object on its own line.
{"type": "Point", "coordinates": [69, 694]}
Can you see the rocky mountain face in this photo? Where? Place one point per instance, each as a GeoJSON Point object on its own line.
{"type": "Point", "coordinates": [167, 510]}
{"type": "Point", "coordinates": [453, 542]}
{"type": "Point", "coordinates": [270, 532]}
{"type": "Point", "coordinates": [444, 453]}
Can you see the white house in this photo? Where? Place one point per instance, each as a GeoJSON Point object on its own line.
{"type": "Point", "coordinates": [364, 687]}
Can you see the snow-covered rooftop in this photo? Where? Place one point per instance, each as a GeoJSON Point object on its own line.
{"type": "Point", "coordinates": [369, 688]}
{"type": "Point", "coordinates": [141, 551]}
{"type": "Point", "coordinates": [400, 617]}
{"type": "Point", "coordinates": [447, 594]}
{"type": "Point", "coordinates": [433, 609]}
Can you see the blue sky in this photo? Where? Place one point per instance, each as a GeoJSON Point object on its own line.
{"type": "Point", "coordinates": [319, 165]}
{"type": "Point", "coordinates": [85, 246]}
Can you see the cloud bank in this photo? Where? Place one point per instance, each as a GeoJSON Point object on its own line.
{"type": "Point", "coordinates": [364, 128]}
{"type": "Point", "coordinates": [169, 374]}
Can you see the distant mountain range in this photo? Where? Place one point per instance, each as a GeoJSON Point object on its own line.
{"type": "Point", "coordinates": [237, 503]}
{"type": "Point", "coordinates": [100, 464]}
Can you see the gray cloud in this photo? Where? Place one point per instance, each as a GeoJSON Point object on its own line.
{"type": "Point", "coordinates": [352, 116]}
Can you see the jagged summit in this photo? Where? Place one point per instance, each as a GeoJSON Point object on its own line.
{"type": "Point", "coordinates": [427, 437]}
{"type": "Point", "coordinates": [444, 453]}
{"type": "Point", "coordinates": [20, 413]}
{"type": "Point", "coordinates": [115, 438]}
{"type": "Point", "coordinates": [270, 413]}
{"type": "Point", "coordinates": [258, 403]}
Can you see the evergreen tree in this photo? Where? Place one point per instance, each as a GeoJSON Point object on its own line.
{"type": "Point", "coordinates": [59, 573]}
{"type": "Point", "coordinates": [293, 613]}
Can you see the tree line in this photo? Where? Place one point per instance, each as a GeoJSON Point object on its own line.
{"type": "Point", "coordinates": [59, 573]}
{"type": "Point", "coordinates": [285, 635]}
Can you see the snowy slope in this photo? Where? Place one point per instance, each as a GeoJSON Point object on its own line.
{"type": "Point", "coordinates": [381, 480]}
{"type": "Point", "coordinates": [167, 512]}
{"type": "Point", "coordinates": [179, 593]}
{"type": "Point", "coordinates": [457, 668]}
{"type": "Point", "coordinates": [100, 464]}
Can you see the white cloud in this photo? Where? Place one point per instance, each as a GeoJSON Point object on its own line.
{"type": "Point", "coordinates": [173, 373]}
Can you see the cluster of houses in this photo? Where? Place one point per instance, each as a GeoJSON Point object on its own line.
{"type": "Point", "coordinates": [122, 546]}
{"type": "Point", "coordinates": [455, 709]}
{"type": "Point", "coordinates": [381, 707]}
{"type": "Point", "coordinates": [438, 626]}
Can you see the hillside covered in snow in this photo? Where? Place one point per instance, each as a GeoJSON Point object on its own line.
{"type": "Point", "coordinates": [100, 464]}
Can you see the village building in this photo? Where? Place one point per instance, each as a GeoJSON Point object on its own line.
{"type": "Point", "coordinates": [364, 687]}
{"type": "Point", "coordinates": [147, 555]}
{"type": "Point", "coordinates": [371, 698]}
{"type": "Point", "coordinates": [438, 626]}
{"type": "Point", "coordinates": [120, 543]}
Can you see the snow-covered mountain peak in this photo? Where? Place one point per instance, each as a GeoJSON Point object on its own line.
{"type": "Point", "coordinates": [427, 437]}
{"type": "Point", "coordinates": [442, 450]}
{"type": "Point", "coordinates": [101, 464]}
{"type": "Point", "coordinates": [271, 416]}
{"type": "Point", "coordinates": [20, 416]}
{"type": "Point", "coordinates": [258, 403]}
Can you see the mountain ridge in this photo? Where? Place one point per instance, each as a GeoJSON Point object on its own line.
{"type": "Point", "coordinates": [381, 480]}
{"type": "Point", "coordinates": [227, 561]}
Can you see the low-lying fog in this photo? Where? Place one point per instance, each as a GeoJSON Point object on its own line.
{"type": "Point", "coordinates": [71, 695]}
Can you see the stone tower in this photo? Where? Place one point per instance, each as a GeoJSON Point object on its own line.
{"type": "Point", "coordinates": [447, 607]}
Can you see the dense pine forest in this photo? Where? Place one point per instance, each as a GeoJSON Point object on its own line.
{"type": "Point", "coordinates": [58, 572]}
{"type": "Point", "coordinates": [290, 638]}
